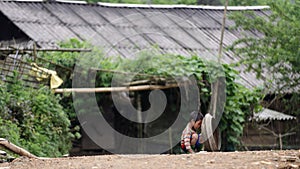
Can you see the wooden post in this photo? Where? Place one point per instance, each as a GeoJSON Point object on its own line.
{"type": "Point", "coordinates": [280, 141]}
{"type": "Point", "coordinates": [140, 120]}
{"type": "Point", "coordinates": [34, 52]}
{"type": "Point", "coordinates": [222, 32]}
{"type": "Point", "coordinates": [279, 135]}
{"type": "Point", "coordinates": [170, 140]}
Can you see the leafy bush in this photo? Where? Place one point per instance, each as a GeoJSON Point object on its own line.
{"type": "Point", "coordinates": [34, 120]}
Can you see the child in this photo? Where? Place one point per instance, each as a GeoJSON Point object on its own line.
{"type": "Point", "coordinates": [189, 137]}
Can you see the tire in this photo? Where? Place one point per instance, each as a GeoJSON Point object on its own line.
{"type": "Point", "coordinates": [212, 139]}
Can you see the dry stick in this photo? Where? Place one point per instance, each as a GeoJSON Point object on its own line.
{"type": "Point", "coordinates": [114, 89]}
{"type": "Point", "coordinates": [5, 143]}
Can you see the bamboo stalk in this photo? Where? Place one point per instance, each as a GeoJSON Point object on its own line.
{"type": "Point", "coordinates": [149, 81]}
{"type": "Point", "coordinates": [114, 89]}
{"type": "Point", "coordinates": [5, 143]}
{"type": "Point", "coordinates": [138, 82]}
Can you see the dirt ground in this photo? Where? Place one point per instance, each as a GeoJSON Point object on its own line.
{"type": "Point", "coordinates": [248, 159]}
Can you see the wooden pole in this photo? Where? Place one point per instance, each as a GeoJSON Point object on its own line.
{"type": "Point", "coordinates": [114, 89]}
{"type": "Point", "coordinates": [34, 52]}
{"type": "Point", "coordinates": [5, 143]}
{"type": "Point", "coordinates": [222, 32]}
{"type": "Point", "coordinates": [140, 120]}
{"type": "Point", "coordinates": [208, 133]}
{"type": "Point", "coordinates": [280, 141]}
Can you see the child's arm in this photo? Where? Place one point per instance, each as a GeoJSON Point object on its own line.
{"type": "Point", "coordinates": [187, 141]}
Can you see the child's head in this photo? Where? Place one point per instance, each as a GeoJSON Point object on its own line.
{"type": "Point", "coordinates": [196, 119]}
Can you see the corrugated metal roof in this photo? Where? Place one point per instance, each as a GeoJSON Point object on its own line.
{"type": "Point", "coordinates": [123, 29]}
{"type": "Point", "coordinates": [268, 114]}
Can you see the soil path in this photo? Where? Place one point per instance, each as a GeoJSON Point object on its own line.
{"type": "Point", "coordinates": [248, 159]}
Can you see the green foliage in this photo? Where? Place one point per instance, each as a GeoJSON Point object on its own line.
{"type": "Point", "coordinates": [68, 60]}
{"type": "Point", "coordinates": [240, 104]}
{"type": "Point", "coordinates": [151, 64]}
{"type": "Point", "coordinates": [278, 50]}
{"type": "Point", "coordinates": [246, 2]}
{"type": "Point", "coordinates": [209, 2]}
{"type": "Point", "coordinates": [240, 101]}
{"type": "Point", "coordinates": [34, 120]}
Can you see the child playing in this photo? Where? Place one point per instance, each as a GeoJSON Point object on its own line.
{"type": "Point", "coordinates": [190, 139]}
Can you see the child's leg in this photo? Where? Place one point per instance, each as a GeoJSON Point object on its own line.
{"type": "Point", "coordinates": [194, 139]}
{"type": "Point", "coordinates": [198, 142]}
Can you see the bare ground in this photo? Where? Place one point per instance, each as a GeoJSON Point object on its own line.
{"type": "Point", "coordinates": [248, 159]}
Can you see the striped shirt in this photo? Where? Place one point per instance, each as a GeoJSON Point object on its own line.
{"type": "Point", "coordinates": [186, 136]}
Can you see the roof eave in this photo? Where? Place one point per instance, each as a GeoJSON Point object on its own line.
{"type": "Point", "coordinates": [183, 6]}
{"type": "Point", "coordinates": [238, 8]}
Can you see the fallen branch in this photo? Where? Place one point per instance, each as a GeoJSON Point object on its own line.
{"type": "Point", "coordinates": [22, 152]}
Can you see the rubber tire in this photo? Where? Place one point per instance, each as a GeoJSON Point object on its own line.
{"type": "Point", "coordinates": [212, 139]}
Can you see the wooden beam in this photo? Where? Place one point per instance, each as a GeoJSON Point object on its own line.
{"type": "Point", "coordinates": [114, 89]}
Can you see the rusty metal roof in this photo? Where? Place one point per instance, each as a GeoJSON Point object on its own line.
{"type": "Point", "coordinates": [125, 29]}
{"type": "Point", "coordinates": [268, 114]}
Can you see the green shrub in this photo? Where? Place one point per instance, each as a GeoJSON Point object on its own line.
{"type": "Point", "coordinates": [34, 120]}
